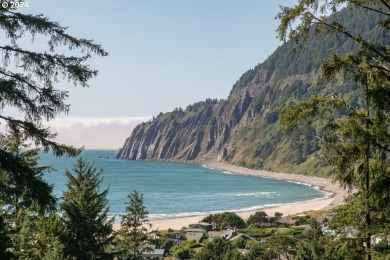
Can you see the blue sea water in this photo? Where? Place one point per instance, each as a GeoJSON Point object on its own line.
{"type": "Point", "coordinates": [179, 189]}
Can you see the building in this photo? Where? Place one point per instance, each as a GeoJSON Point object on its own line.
{"type": "Point", "coordinates": [194, 233]}
{"type": "Point", "coordinates": [178, 237]}
{"type": "Point", "coordinates": [154, 254]}
{"type": "Point", "coordinates": [231, 235]}
{"type": "Point", "coordinates": [202, 225]}
{"type": "Point", "coordinates": [191, 233]}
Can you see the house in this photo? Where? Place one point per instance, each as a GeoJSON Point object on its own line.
{"type": "Point", "coordinates": [190, 233]}
{"type": "Point", "coordinates": [243, 236]}
{"type": "Point", "coordinates": [193, 230]}
{"type": "Point", "coordinates": [194, 233]}
{"type": "Point", "coordinates": [214, 234]}
{"type": "Point", "coordinates": [229, 234]}
{"type": "Point", "coordinates": [202, 225]}
{"type": "Point", "coordinates": [286, 221]}
{"type": "Point", "coordinates": [198, 236]}
{"type": "Point", "coordinates": [154, 254]}
{"type": "Point", "coordinates": [178, 237]}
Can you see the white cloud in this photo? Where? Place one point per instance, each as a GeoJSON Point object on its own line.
{"type": "Point", "coordinates": [94, 132]}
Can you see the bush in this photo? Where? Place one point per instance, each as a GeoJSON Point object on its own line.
{"type": "Point", "coordinates": [258, 217]}
{"type": "Point", "coordinates": [185, 249]}
{"type": "Point", "coordinates": [226, 219]}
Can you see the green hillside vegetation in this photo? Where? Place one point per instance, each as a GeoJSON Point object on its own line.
{"type": "Point", "coordinates": [294, 79]}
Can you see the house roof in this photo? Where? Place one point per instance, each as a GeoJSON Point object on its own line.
{"type": "Point", "coordinates": [204, 224]}
{"type": "Point", "coordinates": [194, 235]}
{"type": "Point", "coordinates": [286, 220]}
{"type": "Point", "coordinates": [194, 230]}
{"type": "Point", "coordinates": [201, 225]}
{"type": "Point", "coordinates": [244, 236]}
{"type": "Point", "coordinates": [213, 234]}
{"type": "Point", "coordinates": [229, 234]}
{"type": "Point", "coordinates": [178, 235]}
{"type": "Point", "coordinates": [155, 252]}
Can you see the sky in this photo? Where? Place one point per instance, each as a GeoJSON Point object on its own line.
{"type": "Point", "coordinates": [163, 54]}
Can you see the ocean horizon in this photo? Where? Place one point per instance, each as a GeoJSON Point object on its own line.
{"type": "Point", "coordinates": [178, 189]}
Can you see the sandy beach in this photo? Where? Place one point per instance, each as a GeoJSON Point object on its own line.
{"type": "Point", "coordinates": [336, 198]}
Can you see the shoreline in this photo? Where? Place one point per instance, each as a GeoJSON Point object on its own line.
{"type": "Point", "coordinates": [336, 198]}
{"type": "Point", "coordinates": [327, 185]}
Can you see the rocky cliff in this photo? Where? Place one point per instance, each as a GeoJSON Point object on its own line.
{"type": "Point", "coordinates": [243, 129]}
{"type": "Point", "coordinates": [192, 134]}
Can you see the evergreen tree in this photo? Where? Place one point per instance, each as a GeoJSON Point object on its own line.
{"type": "Point", "coordinates": [5, 238]}
{"type": "Point", "coordinates": [85, 212]}
{"type": "Point", "coordinates": [24, 239]}
{"type": "Point", "coordinates": [38, 237]}
{"type": "Point", "coordinates": [356, 140]}
{"type": "Point", "coordinates": [50, 234]}
{"type": "Point", "coordinates": [257, 251]}
{"type": "Point", "coordinates": [24, 188]}
{"type": "Point", "coordinates": [134, 233]}
{"type": "Point", "coordinates": [310, 247]}
{"type": "Point", "coordinates": [27, 84]}
{"type": "Point", "coordinates": [218, 249]}
{"type": "Point", "coordinates": [283, 245]}
{"type": "Point", "coordinates": [24, 203]}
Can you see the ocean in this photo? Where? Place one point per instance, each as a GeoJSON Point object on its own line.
{"type": "Point", "coordinates": [173, 189]}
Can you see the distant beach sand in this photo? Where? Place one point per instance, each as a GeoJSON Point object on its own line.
{"type": "Point", "coordinates": [337, 198]}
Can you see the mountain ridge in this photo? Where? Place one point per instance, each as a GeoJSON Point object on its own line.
{"type": "Point", "coordinates": [243, 129]}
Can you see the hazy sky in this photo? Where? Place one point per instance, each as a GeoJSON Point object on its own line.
{"type": "Point", "coordinates": [162, 54]}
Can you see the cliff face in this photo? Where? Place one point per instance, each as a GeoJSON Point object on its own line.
{"type": "Point", "coordinates": [188, 135]}
{"type": "Point", "coordinates": [208, 130]}
{"type": "Point", "coordinates": [244, 128]}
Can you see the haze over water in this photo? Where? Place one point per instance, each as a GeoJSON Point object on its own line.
{"type": "Point", "coordinates": [179, 189]}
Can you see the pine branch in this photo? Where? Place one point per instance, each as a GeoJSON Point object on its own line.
{"type": "Point", "coordinates": [381, 146]}
{"type": "Point", "coordinates": [40, 136]}
{"type": "Point", "coordinates": [45, 71]}
{"type": "Point", "coordinates": [42, 25]}
{"type": "Point", "coordinates": [372, 9]}
{"type": "Point", "coordinates": [339, 28]}
{"type": "Point", "coordinates": [386, 4]}
{"type": "Point", "coordinates": [378, 67]}
{"type": "Point", "coordinates": [20, 92]}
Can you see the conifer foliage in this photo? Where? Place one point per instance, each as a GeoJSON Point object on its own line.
{"type": "Point", "coordinates": [24, 188]}
{"type": "Point", "coordinates": [27, 78]}
{"type": "Point", "coordinates": [27, 85]}
{"type": "Point", "coordinates": [85, 214]}
{"type": "Point", "coordinates": [134, 233]}
{"type": "Point", "coordinates": [356, 139]}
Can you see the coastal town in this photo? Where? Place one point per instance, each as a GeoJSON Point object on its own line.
{"type": "Point", "coordinates": [258, 231]}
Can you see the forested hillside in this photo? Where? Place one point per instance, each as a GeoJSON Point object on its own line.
{"type": "Point", "coordinates": [244, 129]}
